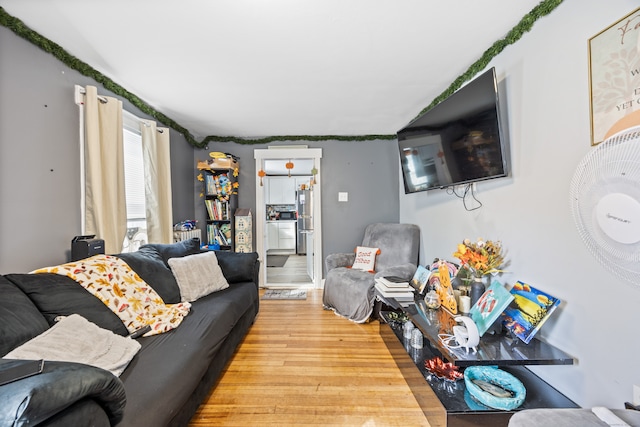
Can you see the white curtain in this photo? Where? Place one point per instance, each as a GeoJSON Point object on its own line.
{"type": "Point", "coordinates": [157, 173]}
{"type": "Point", "coordinates": [105, 203]}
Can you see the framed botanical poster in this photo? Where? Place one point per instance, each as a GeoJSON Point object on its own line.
{"type": "Point", "coordinates": [614, 76]}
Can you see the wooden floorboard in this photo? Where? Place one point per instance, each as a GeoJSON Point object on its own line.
{"type": "Point", "coordinates": [293, 271]}
{"type": "Point", "coordinates": [302, 365]}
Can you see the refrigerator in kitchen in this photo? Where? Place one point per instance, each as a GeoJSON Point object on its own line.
{"type": "Point", "coordinates": [304, 208]}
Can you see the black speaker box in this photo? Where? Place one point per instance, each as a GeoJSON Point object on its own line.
{"type": "Point", "coordinates": [85, 247]}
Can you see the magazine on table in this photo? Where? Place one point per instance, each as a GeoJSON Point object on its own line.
{"type": "Point", "coordinates": [420, 279]}
{"type": "Point", "coordinates": [394, 292]}
{"type": "Point", "coordinates": [530, 309]}
{"type": "Point", "coordinates": [394, 282]}
{"type": "Point", "coordinates": [490, 306]}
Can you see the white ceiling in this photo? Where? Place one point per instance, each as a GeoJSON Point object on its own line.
{"type": "Point", "coordinates": [256, 68]}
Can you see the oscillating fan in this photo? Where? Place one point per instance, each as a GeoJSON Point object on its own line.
{"type": "Point", "coordinates": [605, 202]}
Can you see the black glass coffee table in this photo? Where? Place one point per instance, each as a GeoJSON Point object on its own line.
{"type": "Point", "coordinates": [448, 403]}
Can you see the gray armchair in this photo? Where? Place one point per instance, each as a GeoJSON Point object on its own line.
{"type": "Point", "coordinates": [350, 292]}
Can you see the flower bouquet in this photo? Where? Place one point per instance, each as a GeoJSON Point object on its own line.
{"type": "Point", "coordinates": [482, 257]}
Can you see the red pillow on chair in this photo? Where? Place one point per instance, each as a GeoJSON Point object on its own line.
{"type": "Point", "coordinates": [365, 258]}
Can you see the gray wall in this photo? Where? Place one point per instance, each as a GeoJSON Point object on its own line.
{"type": "Point", "coordinates": [367, 170]}
{"type": "Point", "coordinates": [40, 162]}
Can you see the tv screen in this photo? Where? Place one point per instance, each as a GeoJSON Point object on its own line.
{"type": "Point", "coordinates": [458, 141]}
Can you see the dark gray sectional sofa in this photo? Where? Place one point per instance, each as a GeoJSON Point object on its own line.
{"type": "Point", "coordinates": [167, 379]}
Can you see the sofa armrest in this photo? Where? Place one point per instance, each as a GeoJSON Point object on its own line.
{"type": "Point", "coordinates": [406, 271]}
{"type": "Point", "coordinates": [239, 266]}
{"type": "Point", "coordinates": [339, 260]}
{"type": "Point", "coordinates": [33, 400]}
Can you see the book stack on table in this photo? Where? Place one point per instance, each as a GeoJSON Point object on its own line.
{"type": "Point", "coordinates": [395, 287]}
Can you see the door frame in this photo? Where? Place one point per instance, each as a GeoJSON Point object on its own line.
{"type": "Point", "coordinates": [285, 153]}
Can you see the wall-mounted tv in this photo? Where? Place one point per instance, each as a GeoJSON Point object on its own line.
{"type": "Point", "coordinates": [458, 141]}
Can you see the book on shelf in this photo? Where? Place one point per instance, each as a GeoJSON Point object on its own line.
{"type": "Point", "coordinates": [395, 292]}
{"type": "Point", "coordinates": [216, 236]}
{"type": "Point", "coordinates": [217, 210]}
{"type": "Point", "coordinates": [211, 235]}
{"type": "Point", "coordinates": [394, 281]}
{"type": "Point", "coordinates": [529, 310]}
{"type": "Point", "coordinates": [395, 287]}
{"type": "Point", "coordinates": [209, 204]}
{"type": "Point", "coordinates": [210, 185]}
{"type": "Point", "coordinates": [222, 209]}
{"type": "Point", "coordinates": [409, 296]}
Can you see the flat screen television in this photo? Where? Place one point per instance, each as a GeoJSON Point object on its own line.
{"type": "Point", "coordinates": [458, 141]}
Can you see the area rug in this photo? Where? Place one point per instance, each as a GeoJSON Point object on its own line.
{"type": "Point", "coordinates": [276, 260]}
{"type": "Point", "coordinates": [285, 294]}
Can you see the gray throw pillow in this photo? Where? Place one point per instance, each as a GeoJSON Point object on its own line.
{"type": "Point", "coordinates": [198, 275]}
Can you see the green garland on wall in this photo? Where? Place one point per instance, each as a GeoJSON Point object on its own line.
{"type": "Point", "coordinates": [20, 29]}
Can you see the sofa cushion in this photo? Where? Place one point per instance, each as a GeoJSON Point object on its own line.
{"type": "Point", "coordinates": [174, 250]}
{"type": "Point", "coordinates": [198, 275]}
{"type": "Point", "coordinates": [20, 318]}
{"type": "Point", "coordinates": [149, 265]}
{"type": "Point", "coordinates": [239, 267]}
{"type": "Point", "coordinates": [56, 295]}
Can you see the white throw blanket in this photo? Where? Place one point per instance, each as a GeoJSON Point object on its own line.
{"type": "Point", "coordinates": [75, 339]}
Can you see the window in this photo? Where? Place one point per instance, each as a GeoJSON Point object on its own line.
{"type": "Point", "coordinates": [134, 186]}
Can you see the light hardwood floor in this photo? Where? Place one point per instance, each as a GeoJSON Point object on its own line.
{"type": "Point", "coordinates": [301, 365]}
{"type": "Point", "coordinates": [292, 275]}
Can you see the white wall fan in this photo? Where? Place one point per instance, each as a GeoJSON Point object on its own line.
{"type": "Point", "coordinates": [605, 203]}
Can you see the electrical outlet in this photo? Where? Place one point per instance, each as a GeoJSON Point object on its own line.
{"type": "Point", "coordinates": [636, 395]}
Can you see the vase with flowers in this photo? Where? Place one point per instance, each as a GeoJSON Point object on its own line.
{"type": "Point", "coordinates": [482, 258]}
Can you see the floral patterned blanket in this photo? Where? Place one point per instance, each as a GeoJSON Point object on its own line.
{"type": "Point", "coordinates": [113, 282]}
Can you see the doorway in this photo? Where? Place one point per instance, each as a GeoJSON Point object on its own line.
{"type": "Point", "coordinates": [303, 268]}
